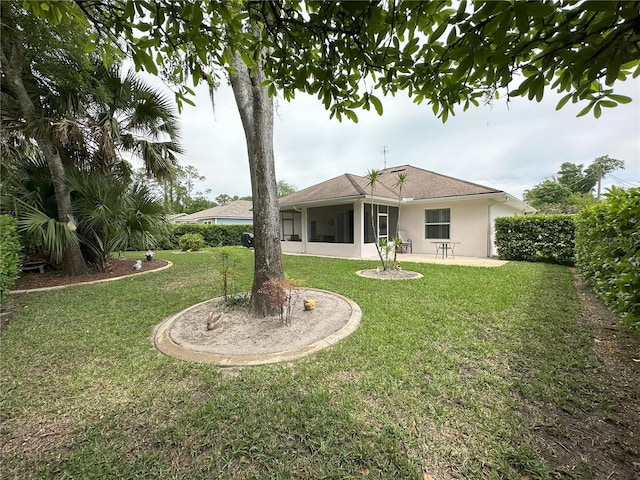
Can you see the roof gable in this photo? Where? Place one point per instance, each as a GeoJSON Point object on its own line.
{"type": "Point", "coordinates": [344, 186]}
{"type": "Point", "coordinates": [420, 185]}
{"type": "Point", "coordinates": [424, 184]}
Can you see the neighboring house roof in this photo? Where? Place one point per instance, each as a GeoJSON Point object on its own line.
{"type": "Point", "coordinates": [420, 185]}
{"type": "Point", "coordinates": [175, 216]}
{"type": "Point", "coordinates": [242, 209]}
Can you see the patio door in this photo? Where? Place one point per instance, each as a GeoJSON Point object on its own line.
{"type": "Point", "coordinates": [383, 225]}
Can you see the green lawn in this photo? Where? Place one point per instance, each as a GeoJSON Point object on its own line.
{"type": "Point", "coordinates": [448, 376]}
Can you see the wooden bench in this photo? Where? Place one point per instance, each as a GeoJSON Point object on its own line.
{"type": "Point", "coordinates": [37, 265]}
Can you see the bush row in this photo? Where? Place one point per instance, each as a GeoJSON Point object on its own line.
{"type": "Point", "coordinates": [10, 248]}
{"type": "Point", "coordinates": [536, 238]}
{"type": "Point", "coordinates": [608, 251]}
{"type": "Point", "coordinates": [213, 235]}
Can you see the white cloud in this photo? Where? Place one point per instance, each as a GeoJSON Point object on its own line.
{"type": "Point", "coordinates": [508, 147]}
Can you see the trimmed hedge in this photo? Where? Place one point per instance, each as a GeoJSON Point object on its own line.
{"type": "Point", "coordinates": [536, 238]}
{"type": "Point", "coordinates": [213, 235]}
{"type": "Point", "coordinates": [9, 256]}
{"type": "Point", "coordinates": [608, 251]}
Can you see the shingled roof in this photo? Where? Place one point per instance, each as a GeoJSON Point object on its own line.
{"type": "Point", "coordinates": [420, 185]}
{"type": "Point", "coordinates": [237, 209]}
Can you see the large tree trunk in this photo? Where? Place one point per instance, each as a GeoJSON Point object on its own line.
{"type": "Point", "coordinates": [73, 260]}
{"type": "Point", "coordinates": [256, 111]}
{"type": "Point", "coordinates": [13, 66]}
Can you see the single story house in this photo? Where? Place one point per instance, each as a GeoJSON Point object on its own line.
{"type": "Point", "coordinates": [336, 218]}
{"type": "Point", "coordinates": [236, 212]}
{"type": "Point", "coordinates": [175, 217]}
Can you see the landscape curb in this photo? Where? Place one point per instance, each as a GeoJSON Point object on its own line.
{"type": "Point", "coordinates": [166, 345]}
{"type": "Point", "coordinates": [58, 287]}
{"type": "Point", "coordinates": [372, 273]}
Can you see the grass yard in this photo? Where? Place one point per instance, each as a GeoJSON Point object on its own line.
{"type": "Point", "coordinates": [450, 376]}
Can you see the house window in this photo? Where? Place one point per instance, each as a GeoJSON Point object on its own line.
{"type": "Point", "coordinates": [437, 223]}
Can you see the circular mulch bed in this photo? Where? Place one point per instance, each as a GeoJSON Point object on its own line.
{"type": "Point", "coordinates": [211, 333]}
{"type": "Point", "coordinates": [389, 274]}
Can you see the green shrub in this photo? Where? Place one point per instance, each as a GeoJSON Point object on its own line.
{"type": "Point", "coordinates": [191, 241]}
{"type": "Point", "coordinates": [9, 256]}
{"type": "Point", "coordinates": [168, 237]}
{"type": "Point", "coordinates": [536, 238]}
{"type": "Point", "coordinates": [608, 251]}
{"type": "Point", "coordinates": [213, 235]}
{"type": "Point", "coordinates": [163, 238]}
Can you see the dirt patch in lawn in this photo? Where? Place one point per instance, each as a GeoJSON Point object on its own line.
{"type": "Point", "coordinates": [600, 438]}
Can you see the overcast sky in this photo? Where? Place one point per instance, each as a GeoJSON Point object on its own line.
{"type": "Point", "coordinates": [509, 147]}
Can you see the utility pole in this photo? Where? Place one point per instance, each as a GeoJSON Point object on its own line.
{"type": "Point", "coordinates": [384, 152]}
{"type": "Point", "coordinates": [599, 181]}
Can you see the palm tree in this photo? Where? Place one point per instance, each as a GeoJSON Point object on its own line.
{"type": "Point", "coordinates": [401, 180]}
{"type": "Point", "coordinates": [120, 117]}
{"type": "Point", "coordinates": [112, 215]}
{"type": "Point", "coordinates": [373, 177]}
{"type": "Point", "coordinates": [41, 62]}
{"type": "Point", "coordinates": [28, 194]}
{"type": "Point", "coordinates": [130, 117]}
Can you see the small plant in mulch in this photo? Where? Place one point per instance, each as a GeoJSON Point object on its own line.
{"type": "Point", "coordinates": [226, 275]}
{"type": "Point", "coordinates": [281, 293]}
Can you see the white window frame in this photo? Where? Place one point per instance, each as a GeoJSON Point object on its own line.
{"type": "Point", "coordinates": [442, 221]}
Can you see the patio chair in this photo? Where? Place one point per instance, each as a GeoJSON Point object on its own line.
{"type": "Point", "coordinates": [405, 242]}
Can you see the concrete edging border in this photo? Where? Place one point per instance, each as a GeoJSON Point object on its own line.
{"type": "Point", "coordinates": [365, 274]}
{"type": "Point", "coordinates": [163, 342]}
{"type": "Point", "coordinates": [59, 287]}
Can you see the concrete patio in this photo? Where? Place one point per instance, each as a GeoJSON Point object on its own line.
{"type": "Point", "coordinates": [431, 258]}
{"type": "Point", "coordinates": [464, 261]}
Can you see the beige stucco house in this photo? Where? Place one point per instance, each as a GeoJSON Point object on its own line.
{"type": "Point", "coordinates": [334, 217]}
{"type": "Point", "coordinates": [236, 212]}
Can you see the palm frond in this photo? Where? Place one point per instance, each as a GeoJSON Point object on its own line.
{"type": "Point", "coordinates": [53, 236]}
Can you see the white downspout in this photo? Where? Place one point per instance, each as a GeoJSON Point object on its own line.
{"type": "Point", "coordinates": [303, 225]}
{"type": "Point", "coordinates": [491, 230]}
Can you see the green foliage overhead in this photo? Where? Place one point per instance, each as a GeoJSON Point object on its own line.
{"type": "Point", "coordinates": [345, 53]}
{"type": "Point", "coordinates": [536, 238]}
{"type": "Point", "coordinates": [10, 248]}
{"type": "Point", "coordinates": [608, 251]}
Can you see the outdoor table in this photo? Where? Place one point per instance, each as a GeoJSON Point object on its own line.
{"type": "Point", "coordinates": [445, 246]}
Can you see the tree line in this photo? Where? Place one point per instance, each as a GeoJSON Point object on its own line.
{"type": "Point", "coordinates": [572, 188]}
{"type": "Point", "coordinates": [179, 195]}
